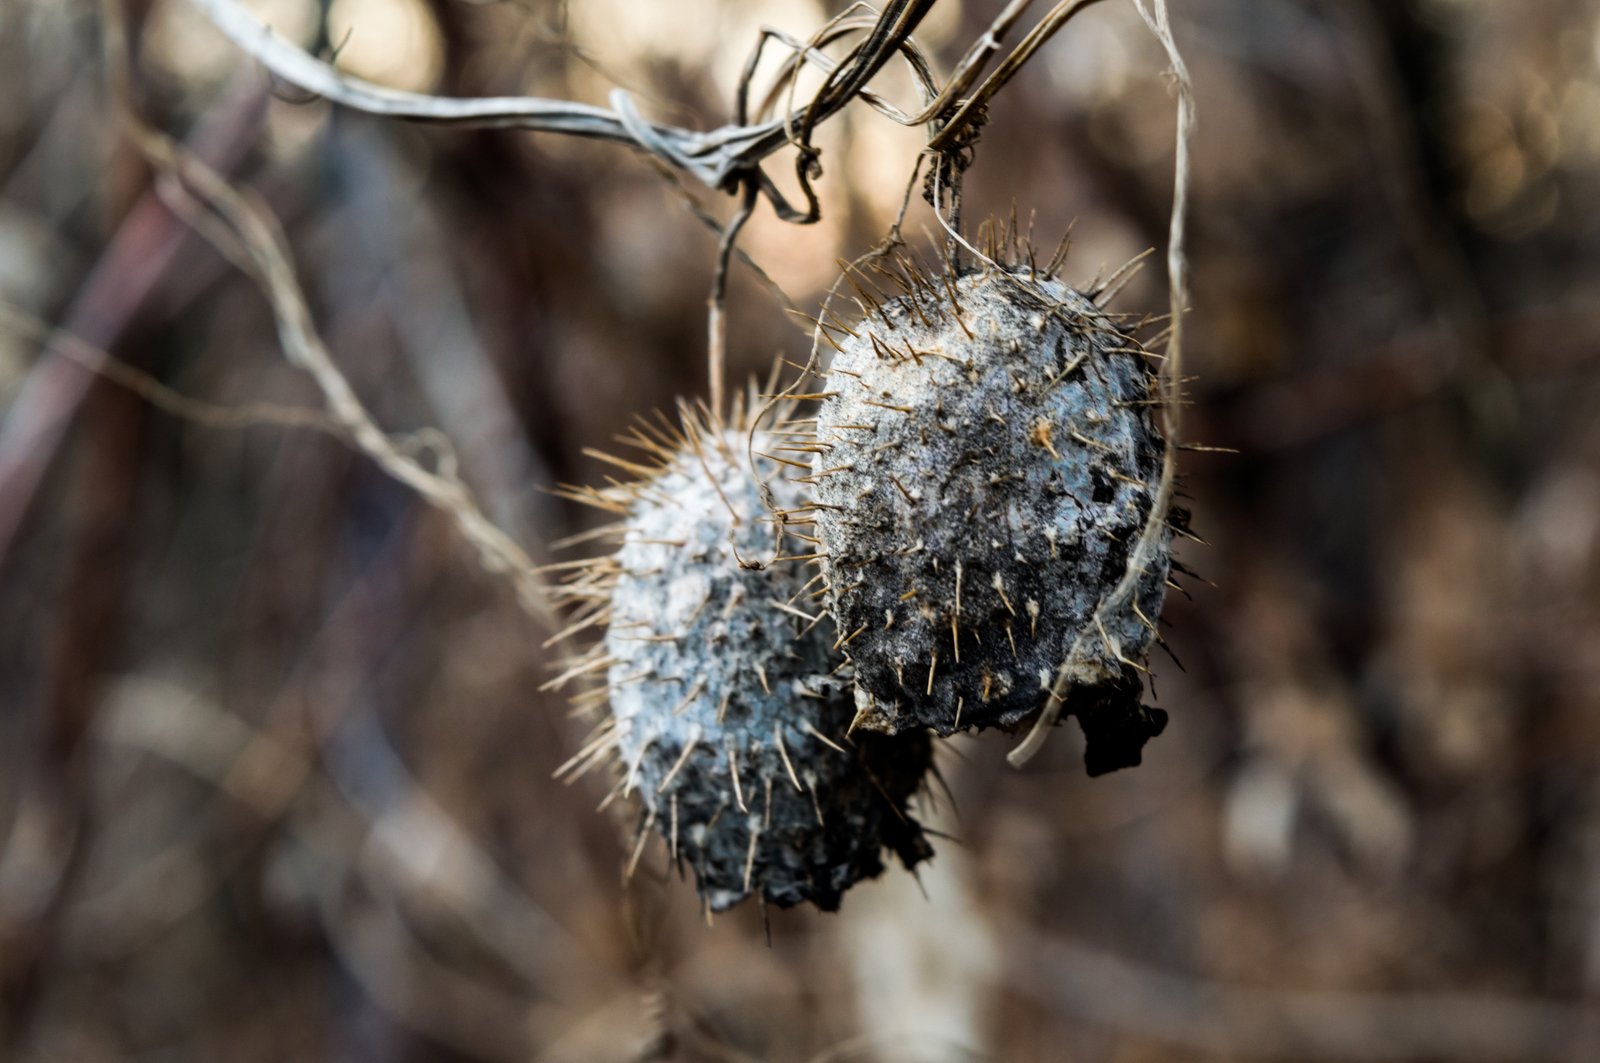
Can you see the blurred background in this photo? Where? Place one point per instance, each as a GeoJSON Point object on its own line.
{"type": "Point", "coordinates": [274, 764]}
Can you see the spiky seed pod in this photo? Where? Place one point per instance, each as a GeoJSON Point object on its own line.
{"type": "Point", "coordinates": [728, 720]}
{"type": "Point", "coordinates": [991, 461]}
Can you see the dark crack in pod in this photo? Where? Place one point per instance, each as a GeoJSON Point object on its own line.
{"type": "Point", "coordinates": [727, 717]}
{"type": "Point", "coordinates": [991, 461]}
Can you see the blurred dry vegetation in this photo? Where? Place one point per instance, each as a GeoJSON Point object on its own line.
{"type": "Point", "coordinates": [274, 767]}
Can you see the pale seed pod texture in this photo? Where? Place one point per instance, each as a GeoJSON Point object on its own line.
{"type": "Point", "coordinates": [730, 720]}
{"type": "Point", "coordinates": [991, 461]}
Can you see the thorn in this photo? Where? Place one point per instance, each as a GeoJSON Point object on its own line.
{"type": "Point", "coordinates": [694, 443]}
{"type": "Point", "coordinates": [824, 739]}
{"type": "Point", "coordinates": [846, 640]}
{"type": "Point", "coordinates": [585, 669]}
{"type": "Point", "coordinates": [683, 758]}
{"type": "Point", "coordinates": [786, 461]}
{"type": "Point", "coordinates": [694, 692]}
{"type": "Point", "coordinates": [1000, 586]}
{"type": "Point", "coordinates": [1040, 437]}
{"type": "Point", "coordinates": [860, 715]}
{"type": "Point", "coordinates": [790, 609]}
{"type": "Point", "coordinates": [841, 324]}
{"type": "Point", "coordinates": [1063, 248]}
{"type": "Point", "coordinates": [932, 664]}
{"type": "Point", "coordinates": [807, 587]}
{"type": "Point", "coordinates": [616, 791]}
{"type": "Point", "coordinates": [638, 846]}
{"type": "Point", "coordinates": [876, 305]}
{"type": "Point", "coordinates": [633, 773]}
{"type": "Point", "coordinates": [733, 770]}
{"type": "Point", "coordinates": [607, 735]}
{"type": "Point", "coordinates": [750, 858]}
{"type": "Point", "coordinates": [950, 289]}
{"type": "Point", "coordinates": [783, 754]}
{"type": "Point", "coordinates": [1086, 441]}
{"type": "Point", "coordinates": [644, 472]}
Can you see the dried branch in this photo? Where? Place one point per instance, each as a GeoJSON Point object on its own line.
{"type": "Point", "coordinates": [720, 157]}
{"type": "Point", "coordinates": [262, 240]}
{"type": "Point", "coordinates": [1036, 38]}
{"type": "Point", "coordinates": [157, 394]}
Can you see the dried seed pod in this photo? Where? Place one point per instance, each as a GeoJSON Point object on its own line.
{"type": "Point", "coordinates": [992, 459]}
{"type": "Point", "coordinates": [728, 719]}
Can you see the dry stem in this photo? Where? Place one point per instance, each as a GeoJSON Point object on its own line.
{"type": "Point", "coordinates": [251, 222]}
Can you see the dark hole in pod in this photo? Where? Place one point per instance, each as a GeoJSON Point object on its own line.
{"type": "Point", "coordinates": [1104, 487]}
{"type": "Point", "coordinates": [1142, 501]}
{"type": "Point", "coordinates": [1062, 356]}
{"type": "Point", "coordinates": [1116, 560]}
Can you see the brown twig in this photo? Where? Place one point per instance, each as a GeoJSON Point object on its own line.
{"type": "Point", "coordinates": [257, 230]}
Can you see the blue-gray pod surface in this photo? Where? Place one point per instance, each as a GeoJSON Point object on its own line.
{"type": "Point", "coordinates": [991, 461]}
{"type": "Point", "coordinates": [730, 718]}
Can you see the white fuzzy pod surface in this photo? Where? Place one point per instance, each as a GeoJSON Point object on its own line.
{"type": "Point", "coordinates": [728, 719]}
{"type": "Point", "coordinates": [991, 461]}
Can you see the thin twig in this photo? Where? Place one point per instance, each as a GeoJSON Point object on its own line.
{"type": "Point", "coordinates": [1171, 380]}
{"type": "Point", "coordinates": [720, 158]}
{"type": "Point", "coordinates": [716, 326]}
{"type": "Point", "coordinates": [153, 391]}
{"type": "Point", "coordinates": [1007, 70]}
{"type": "Point", "coordinates": [262, 239]}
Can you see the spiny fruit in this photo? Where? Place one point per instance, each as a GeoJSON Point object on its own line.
{"type": "Point", "coordinates": [986, 461]}
{"type": "Point", "coordinates": [726, 716]}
